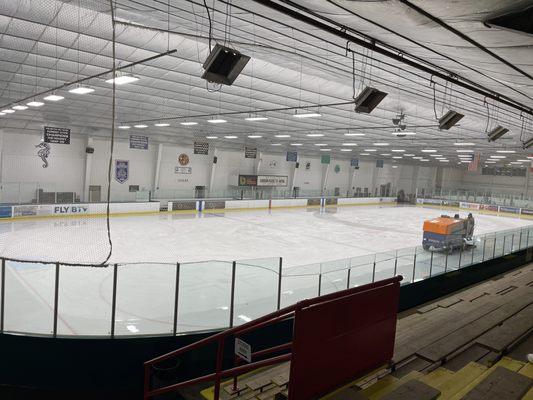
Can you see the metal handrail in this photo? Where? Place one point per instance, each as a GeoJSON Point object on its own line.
{"type": "Point", "coordinates": [259, 323]}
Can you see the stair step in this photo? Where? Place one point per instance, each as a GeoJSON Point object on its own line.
{"type": "Point", "coordinates": [500, 384]}
{"type": "Point", "coordinates": [413, 389]}
{"type": "Point", "coordinates": [527, 370]}
{"type": "Point", "coordinates": [437, 377]}
{"type": "Point", "coordinates": [505, 362]}
{"type": "Point", "coordinates": [460, 379]}
{"type": "Point", "coordinates": [384, 390]}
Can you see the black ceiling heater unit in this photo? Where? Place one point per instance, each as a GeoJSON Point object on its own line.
{"type": "Point", "coordinates": [497, 133]}
{"type": "Point", "coordinates": [368, 99]}
{"type": "Point", "coordinates": [449, 119]}
{"type": "Point", "coordinates": [223, 65]}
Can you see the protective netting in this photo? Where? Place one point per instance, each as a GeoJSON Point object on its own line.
{"type": "Point", "coordinates": [57, 145]}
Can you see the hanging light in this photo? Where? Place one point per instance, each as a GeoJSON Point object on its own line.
{"type": "Point", "coordinates": [122, 79]}
{"type": "Point", "coordinates": [35, 103]}
{"type": "Point", "coordinates": [81, 90]}
{"type": "Point", "coordinates": [54, 97]}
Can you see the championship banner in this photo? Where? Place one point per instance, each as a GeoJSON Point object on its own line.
{"type": "Point", "coordinates": [325, 159]}
{"type": "Point", "coordinates": [354, 162]}
{"type": "Point", "coordinates": [138, 142]}
{"type": "Point", "coordinates": [292, 156]}
{"type": "Point", "coordinates": [379, 163]}
{"type": "Point", "coordinates": [250, 152]}
{"type": "Point", "coordinates": [122, 170]}
{"type": "Point", "coordinates": [201, 148]}
{"type": "Point", "coordinates": [56, 135]}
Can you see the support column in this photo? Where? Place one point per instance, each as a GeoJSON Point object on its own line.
{"type": "Point", "coordinates": [155, 184]}
{"type": "Point", "coordinates": [88, 170]}
{"type": "Point", "coordinates": [526, 186]}
{"type": "Point", "coordinates": [292, 177]}
{"type": "Point", "coordinates": [375, 173]}
{"type": "Point", "coordinates": [325, 173]}
{"type": "Point", "coordinates": [257, 163]}
{"type": "Point", "coordinates": [351, 183]}
{"type": "Point", "coordinates": [414, 180]}
{"type": "Point", "coordinates": [213, 171]}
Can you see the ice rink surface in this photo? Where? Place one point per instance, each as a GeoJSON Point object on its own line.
{"type": "Point", "coordinates": [299, 235]}
{"type": "Point", "coordinates": [307, 239]}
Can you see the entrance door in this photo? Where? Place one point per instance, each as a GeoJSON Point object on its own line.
{"type": "Point", "coordinates": [95, 194]}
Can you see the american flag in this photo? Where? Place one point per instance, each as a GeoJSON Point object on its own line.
{"type": "Point", "coordinates": [474, 163]}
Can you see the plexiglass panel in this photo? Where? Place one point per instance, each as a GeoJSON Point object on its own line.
{"type": "Point", "coordinates": [204, 299]}
{"type": "Point", "coordinates": [256, 288]}
{"type": "Point", "coordinates": [29, 298]}
{"type": "Point", "coordinates": [299, 283]}
{"type": "Point", "coordinates": [145, 299]}
{"type": "Point", "coordinates": [85, 299]}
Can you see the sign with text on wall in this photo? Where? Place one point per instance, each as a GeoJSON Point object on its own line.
{"type": "Point", "coordinates": [250, 152]}
{"type": "Point", "coordinates": [183, 170]}
{"type": "Point", "coordinates": [325, 159]}
{"type": "Point", "coordinates": [292, 156]}
{"type": "Point", "coordinates": [56, 135]}
{"type": "Point", "coordinates": [201, 148]}
{"type": "Point", "coordinates": [138, 142]}
{"type": "Point", "coordinates": [272, 180]}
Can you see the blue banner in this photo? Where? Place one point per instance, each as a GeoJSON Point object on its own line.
{"type": "Point", "coordinates": [354, 162]}
{"type": "Point", "coordinates": [122, 170]}
{"type": "Point", "coordinates": [514, 210]}
{"type": "Point", "coordinates": [292, 156]}
{"type": "Point", "coordinates": [5, 212]}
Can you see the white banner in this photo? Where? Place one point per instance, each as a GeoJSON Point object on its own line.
{"type": "Point", "coordinates": [272, 180]}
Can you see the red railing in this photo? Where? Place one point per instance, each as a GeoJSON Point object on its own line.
{"type": "Point", "coordinates": [258, 323]}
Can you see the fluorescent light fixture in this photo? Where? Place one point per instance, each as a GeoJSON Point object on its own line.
{"type": "Point", "coordinates": [408, 155]}
{"type": "Point", "coordinates": [444, 160]}
{"type": "Point", "coordinates": [346, 149]}
{"type": "Point", "coordinates": [418, 158]}
{"type": "Point", "coordinates": [314, 135]}
{"type": "Point", "coordinates": [380, 144]}
{"type": "Point", "coordinates": [216, 121]}
{"type": "Point", "coordinates": [424, 160]}
{"type": "Point", "coordinates": [429, 151]}
{"type": "Point", "coordinates": [497, 133]}
{"type": "Point", "coordinates": [124, 127]}
{"type": "Point", "coordinates": [364, 154]}
{"type": "Point", "coordinates": [321, 144]}
{"type": "Point", "coordinates": [394, 166]}
{"type": "Point", "coordinates": [140, 126]}
{"type": "Point", "coordinates": [54, 97]}
{"type": "Point", "coordinates": [497, 151]}
{"type": "Point", "coordinates": [296, 144]}
{"type": "Point", "coordinates": [230, 137]}
{"type": "Point", "coordinates": [435, 155]}
{"type": "Point", "coordinates": [35, 103]}
{"type": "Point", "coordinates": [188, 123]}
{"type": "Point", "coordinates": [161, 124]}
{"type": "Point", "coordinates": [524, 160]}
{"type": "Point", "coordinates": [81, 90]}
{"type": "Point", "coordinates": [515, 162]}
{"type": "Point", "coordinates": [282, 136]}
{"type": "Point", "coordinates": [8, 111]}
{"type": "Point", "coordinates": [464, 151]}
{"type": "Point", "coordinates": [2, 114]}
{"type": "Point", "coordinates": [306, 114]}
{"type": "Point", "coordinates": [449, 119]}
{"type": "Point", "coordinates": [349, 144]}
{"type": "Point", "coordinates": [211, 137]}
{"type": "Point", "coordinates": [123, 79]}
{"type": "Point", "coordinates": [255, 136]}
{"type": "Point", "coordinates": [369, 150]}
{"type": "Point", "coordinates": [403, 133]}
{"type": "Point", "coordinates": [256, 118]}
{"type": "Point", "coordinates": [490, 162]}
{"type": "Point", "coordinates": [385, 154]}
{"type": "Point", "coordinates": [20, 107]}
{"type": "Point", "coordinates": [275, 144]}
{"type": "Point", "coordinates": [498, 157]}
{"type": "Point", "coordinates": [354, 134]}
{"type": "Point", "coordinates": [398, 151]}
{"type": "Point", "coordinates": [464, 144]}
{"type": "Point", "coordinates": [325, 149]}
{"type": "Point", "coordinates": [397, 157]}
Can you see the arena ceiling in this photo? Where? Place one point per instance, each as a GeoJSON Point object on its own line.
{"type": "Point", "coordinates": [306, 55]}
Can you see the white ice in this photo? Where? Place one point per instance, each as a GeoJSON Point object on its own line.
{"type": "Point", "coordinates": [146, 291]}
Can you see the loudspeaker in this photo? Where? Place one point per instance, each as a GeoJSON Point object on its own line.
{"type": "Point", "coordinates": [368, 99]}
{"type": "Point", "coordinates": [297, 165]}
{"type": "Point", "coordinates": [89, 150]}
{"type": "Point", "coordinates": [223, 65]}
{"type": "Point", "coordinates": [215, 159]}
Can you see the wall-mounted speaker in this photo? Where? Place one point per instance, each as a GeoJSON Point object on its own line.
{"type": "Point", "coordinates": [215, 159]}
{"type": "Point", "coordinates": [297, 165]}
{"type": "Point", "coordinates": [89, 150]}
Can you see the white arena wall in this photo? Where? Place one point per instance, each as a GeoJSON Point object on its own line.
{"type": "Point", "coordinates": [72, 169]}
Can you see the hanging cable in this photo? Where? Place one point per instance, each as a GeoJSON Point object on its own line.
{"type": "Point", "coordinates": [210, 24]}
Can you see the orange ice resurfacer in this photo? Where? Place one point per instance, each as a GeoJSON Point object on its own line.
{"type": "Point", "coordinates": [446, 233]}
